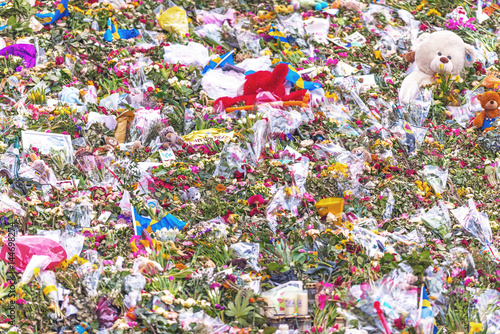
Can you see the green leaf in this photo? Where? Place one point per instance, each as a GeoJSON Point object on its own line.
{"type": "Point", "coordinates": [273, 266]}
{"type": "Point", "coordinates": [11, 21]}
{"type": "Point", "coordinates": [387, 257]}
{"type": "Point", "coordinates": [270, 330]}
{"type": "Point", "coordinates": [425, 254]}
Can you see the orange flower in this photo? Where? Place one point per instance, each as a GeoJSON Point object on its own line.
{"type": "Point", "coordinates": [220, 187]}
{"type": "Point", "coordinates": [252, 300]}
{"type": "Point", "coordinates": [179, 266]}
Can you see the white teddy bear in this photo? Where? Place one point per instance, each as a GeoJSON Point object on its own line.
{"type": "Point", "coordinates": [440, 52]}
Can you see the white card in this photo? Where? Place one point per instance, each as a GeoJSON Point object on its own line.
{"type": "Point", "coordinates": [167, 155]}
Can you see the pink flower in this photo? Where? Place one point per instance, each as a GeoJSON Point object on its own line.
{"type": "Point", "coordinates": [332, 62]}
{"type": "Point", "coordinates": [256, 200]}
{"type": "Point", "coordinates": [353, 269]}
{"type": "Point", "coordinates": [21, 301]}
{"type": "Point", "coordinates": [342, 54]}
{"type": "Point", "coordinates": [195, 169]}
{"type": "Point", "coordinates": [322, 300]}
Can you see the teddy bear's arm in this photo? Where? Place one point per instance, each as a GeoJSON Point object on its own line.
{"type": "Point", "coordinates": [479, 120]}
{"type": "Point", "coordinates": [411, 85]}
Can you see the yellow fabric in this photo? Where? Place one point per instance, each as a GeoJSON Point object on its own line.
{"type": "Point", "coordinates": [174, 20]}
{"type": "Point", "coordinates": [61, 8]}
{"type": "Point", "coordinates": [426, 303]}
{"type": "Point", "coordinates": [199, 137]}
{"type": "Point", "coordinates": [49, 289]}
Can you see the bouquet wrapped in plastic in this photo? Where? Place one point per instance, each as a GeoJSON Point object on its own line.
{"type": "Point", "coordinates": [48, 282]}
{"type": "Point", "coordinates": [377, 306]}
{"type": "Point", "coordinates": [438, 220]}
{"type": "Point", "coordinates": [477, 224]}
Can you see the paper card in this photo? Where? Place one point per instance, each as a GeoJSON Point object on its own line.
{"type": "Point", "coordinates": [104, 216]}
{"type": "Point", "coordinates": [167, 155]}
{"type": "Point", "coordinates": [356, 38]}
{"type": "Point", "coordinates": [45, 141]}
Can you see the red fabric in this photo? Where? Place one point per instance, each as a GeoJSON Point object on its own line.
{"type": "Point", "coordinates": [263, 81]}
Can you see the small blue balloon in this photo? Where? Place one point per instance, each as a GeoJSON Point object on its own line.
{"type": "Point", "coordinates": [318, 6]}
{"type": "Point", "coordinates": [324, 5]}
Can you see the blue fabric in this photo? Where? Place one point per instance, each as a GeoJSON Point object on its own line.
{"type": "Point", "coordinates": [294, 77]}
{"type": "Point", "coordinates": [169, 221]}
{"type": "Point", "coordinates": [122, 33]}
{"type": "Point", "coordinates": [62, 11]}
{"type": "Point", "coordinates": [487, 123]}
{"type": "Point", "coordinates": [219, 62]}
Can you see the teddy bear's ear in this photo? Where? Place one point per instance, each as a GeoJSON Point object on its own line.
{"type": "Point", "coordinates": [416, 43]}
{"type": "Point", "coordinates": [479, 97]}
{"type": "Point", "coordinates": [470, 55]}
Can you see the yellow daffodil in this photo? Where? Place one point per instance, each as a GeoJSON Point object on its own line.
{"type": "Point", "coordinates": [475, 327]}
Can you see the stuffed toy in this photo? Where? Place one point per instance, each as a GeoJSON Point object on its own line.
{"type": "Point", "coordinates": [192, 194]}
{"type": "Point", "coordinates": [490, 101]}
{"type": "Point", "coordinates": [349, 4]}
{"type": "Point", "coordinates": [262, 81]}
{"type": "Point", "coordinates": [362, 153]}
{"type": "Point", "coordinates": [81, 328]}
{"type": "Point", "coordinates": [170, 138]}
{"type": "Point", "coordinates": [441, 52]}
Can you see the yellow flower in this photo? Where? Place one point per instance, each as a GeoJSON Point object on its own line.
{"type": "Point", "coordinates": [349, 226]}
{"type": "Point", "coordinates": [378, 55]}
{"type": "Point", "coordinates": [475, 327]}
{"type": "Point", "coordinates": [51, 118]}
{"type": "Point", "coordinates": [433, 12]}
{"type": "Point", "coordinates": [338, 246]}
{"type": "Point", "coordinates": [450, 280]}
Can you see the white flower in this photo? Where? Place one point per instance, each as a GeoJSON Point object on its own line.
{"type": "Point", "coordinates": [168, 298]}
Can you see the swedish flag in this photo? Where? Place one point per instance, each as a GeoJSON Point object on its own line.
{"type": "Point", "coordinates": [426, 308]}
{"type": "Point", "coordinates": [277, 34]}
{"type": "Point", "coordinates": [219, 62]}
{"type": "Point", "coordinates": [114, 33]}
{"type": "Point", "coordinates": [150, 225]}
{"type": "Point", "coordinates": [62, 11]}
{"type": "Point", "coordinates": [294, 77]}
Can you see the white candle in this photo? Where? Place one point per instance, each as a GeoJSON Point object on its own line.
{"type": "Point", "coordinates": [290, 299]}
{"type": "Point", "coordinates": [302, 303]}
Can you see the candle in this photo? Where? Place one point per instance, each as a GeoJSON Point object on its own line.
{"type": "Point", "coordinates": [290, 299]}
{"type": "Point", "coordinates": [302, 303]}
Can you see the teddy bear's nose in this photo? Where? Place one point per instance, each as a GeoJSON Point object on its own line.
{"type": "Point", "coordinates": [492, 102]}
{"type": "Point", "coordinates": [444, 60]}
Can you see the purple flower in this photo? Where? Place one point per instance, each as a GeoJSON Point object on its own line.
{"type": "Point", "coordinates": [214, 286]}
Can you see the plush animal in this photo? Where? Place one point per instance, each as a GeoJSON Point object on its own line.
{"type": "Point", "coordinates": [170, 138]}
{"type": "Point", "coordinates": [262, 81]}
{"type": "Point", "coordinates": [81, 328]}
{"type": "Point", "coordinates": [440, 52]}
{"type": "Point", "coordinates": [349, 4]}
{"type": "Point", "coordinates": [362, 153]}
{"type": "Point", "coordinates": [490, 101]}
{"type": "Point", "coordinates": [192, 194]}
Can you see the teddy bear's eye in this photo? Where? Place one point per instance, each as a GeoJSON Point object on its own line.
{"type": "Point", "coordinates": [440, 54]}
{"type": "Point", "coordinates": [448, 57]}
